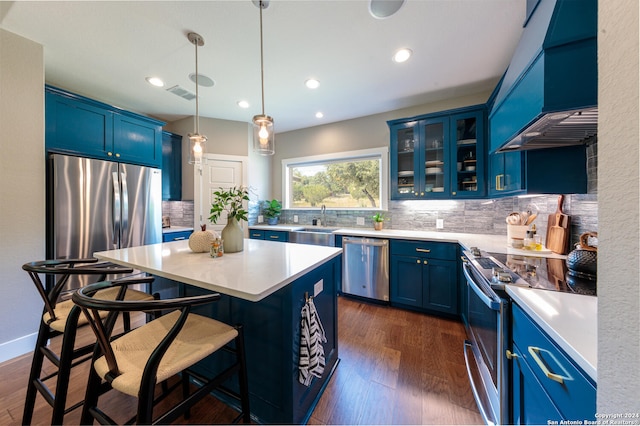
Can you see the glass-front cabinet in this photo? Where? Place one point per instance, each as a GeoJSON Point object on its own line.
{"type": "Point", "coordinates": [439, 155]}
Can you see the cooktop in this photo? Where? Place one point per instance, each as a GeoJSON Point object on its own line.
{"type": "Point", "coordinates": [532, 271]}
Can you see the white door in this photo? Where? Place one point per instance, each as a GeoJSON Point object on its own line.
{"type": "Point", "coordinates": [216, 171]}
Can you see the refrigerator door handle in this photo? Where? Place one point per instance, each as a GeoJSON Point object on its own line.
{"type": "Point", "coordinates": [125, 206]}
{"type": "Point", "coordinates": [116, 208]}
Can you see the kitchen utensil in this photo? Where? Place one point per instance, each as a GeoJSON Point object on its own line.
{"type": "Point", "coordinates": [583, 261]}
{"type": "Point", "coordinates": [513, 218]}
{"type": "Point", "coordinates": [558, 227]}
{"type": "Point", "coordinates": [524, 216]}
{"type": "Point", "coordinates": [530, 219]}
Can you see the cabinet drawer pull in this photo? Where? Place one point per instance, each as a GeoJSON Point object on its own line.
{"type": "Point", "coordinates": [425, 262]}
{"type": "Point", "coordinates": [534, 354]}
{"type": "Point", "coordinates": [118, 155]}
{"type": "Point", "coordinates": [499, 182]}
{"type": "Point", "coordinates": [179, 238]}
{"type": "Point", "coordinates": [421, 250]}
{"type": "Point", "coordinates": [109, 154]}
{"type": "Point", "coordinates": [418, 261]}
{"type": "Point", "coordinates": [275, 237]}
{"type": "Point", "coordinates": [511, 355]}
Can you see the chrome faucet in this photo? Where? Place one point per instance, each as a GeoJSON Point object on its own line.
{"type": "Point", "coordinates": [323, 216]}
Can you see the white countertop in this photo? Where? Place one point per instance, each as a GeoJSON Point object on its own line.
{"type": "Point", "coordinates": [569, 319]}
{"type": "Point", "coordinates": [176, 229]}
{"type": "Point", "coordinates": [262, 268]}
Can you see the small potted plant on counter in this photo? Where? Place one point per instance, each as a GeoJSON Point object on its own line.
{"type": "Point", "coordinates": [272, 211]}
{"type": "Point", "coordinates": [230, 201]}
{"type": "Point", "coordinates": [378, 220]}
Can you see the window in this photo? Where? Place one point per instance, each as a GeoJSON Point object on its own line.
{"type": "Point", "coordinates": [347, 180]}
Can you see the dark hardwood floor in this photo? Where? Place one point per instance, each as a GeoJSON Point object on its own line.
{"type": "Point", "coordinates": [396, 367]}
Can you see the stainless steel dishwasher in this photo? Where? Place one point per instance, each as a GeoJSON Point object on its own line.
{"type": "Point", "coordinates": [365, 266]}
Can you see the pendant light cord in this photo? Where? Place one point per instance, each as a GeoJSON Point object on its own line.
{"type": "Point", "coordinates": [261, 59]}
{"type": "Point", "coordinates": [197, 118]}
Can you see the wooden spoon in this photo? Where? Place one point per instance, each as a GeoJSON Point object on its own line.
{"type": "Point", "coordinates": [530, 219]}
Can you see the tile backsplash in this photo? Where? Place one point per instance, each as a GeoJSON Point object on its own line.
{"type": "Point", "coordinates": [467, 216]}
{"type": "Point", "coordinates": [180, 212]}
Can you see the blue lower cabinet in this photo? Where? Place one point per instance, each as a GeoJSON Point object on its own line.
{"type": "Point", "coordinates": [256, 234]}
{"type": "Point", "coordinates": [547, 384]}
{"type": "Point", "coordinates": [426, 279]}
{"type": "Point", "coordinates": [272, 340]}
{"type": "Point", "coordinates": [269, 235]}
{"type": "Point", "coordinates": [175, 236]}
{"type": "Point", "coordinates": [531, 404]}
{"type": "Point", "coordinates": [282, 236]}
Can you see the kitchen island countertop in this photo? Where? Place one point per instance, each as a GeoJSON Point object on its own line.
{"type": "Point", "coordinates": [262, 268]}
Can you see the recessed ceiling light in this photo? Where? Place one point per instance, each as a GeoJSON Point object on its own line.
{"type": "Point", "coordinates": [203, 80]}
{"type": "Point", "coordinates": [402, 55]}
{"type": "Point", "coordinates": [312, 83]}
{"type": "Point", "coordinates": [319, 114]}
{"type": "Point", "coordinates": [243, 104]}
{"type": "Point", "coordinates": [155, 81]}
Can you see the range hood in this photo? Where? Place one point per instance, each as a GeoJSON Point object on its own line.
{"type": "Point", "coordinates": [548, 96]}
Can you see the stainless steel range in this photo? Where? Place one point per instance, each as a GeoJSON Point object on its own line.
{"type": "Point", "coordinates": [486, 316]}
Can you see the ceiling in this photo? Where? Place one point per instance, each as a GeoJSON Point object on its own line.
{"type": "Point", "coordinates": [105, 49]}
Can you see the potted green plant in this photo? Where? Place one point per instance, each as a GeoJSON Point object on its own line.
{"type": "Point", "coordinates": [230, 201]}
{"type": "Point", "coordinates": [378, 220]}
{"type": "Point", "coordinates": [272, 211]}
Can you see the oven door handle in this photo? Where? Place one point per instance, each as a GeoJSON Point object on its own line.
{"type": "Point", "coordinates": [491, 302]}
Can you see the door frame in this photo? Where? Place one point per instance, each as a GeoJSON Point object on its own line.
{"type": "Point", "coordinates": [198, 213]}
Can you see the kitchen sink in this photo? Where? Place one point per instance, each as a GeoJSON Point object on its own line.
{"type": "Point", "coordinates": [313, 236]}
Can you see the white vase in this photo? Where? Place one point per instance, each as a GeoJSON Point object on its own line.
{"type": "Point", "coordinates": [232, 236]}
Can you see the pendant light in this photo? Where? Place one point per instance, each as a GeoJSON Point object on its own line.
{"type": "Point", "coordinates": [263, 134]}
{"type": "Point", "coordinates": [197, 142]}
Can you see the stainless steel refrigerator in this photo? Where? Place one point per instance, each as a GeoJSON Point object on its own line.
{"type": "Point", "coordinates": [96, 205]}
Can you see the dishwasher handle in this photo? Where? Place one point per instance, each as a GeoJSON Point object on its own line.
{"type": "Point", "coordinates": [366, 242]}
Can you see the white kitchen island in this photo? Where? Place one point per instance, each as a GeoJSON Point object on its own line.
{"type": "Point", "coordinates": [263, 288]}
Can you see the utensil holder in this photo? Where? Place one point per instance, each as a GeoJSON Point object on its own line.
{"type": "Point", "coordinates": [516, 232]}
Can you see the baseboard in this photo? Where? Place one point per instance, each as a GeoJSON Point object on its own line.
{"type": "Point", "coordinates": [17, 347]}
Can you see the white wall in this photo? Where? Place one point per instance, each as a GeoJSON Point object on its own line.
{"type": "Point", "coordinates": [619, 202]}
{"type": "Point", "coordinates": [22, 189]}
{"type": "Point", "coordinates": [360, 133]}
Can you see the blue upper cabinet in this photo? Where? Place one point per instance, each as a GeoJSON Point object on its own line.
{"type": "Point", "coordinates": [81, 126]}
{"type": "Point", "coordinates": [439, 155]}
{"type": "Point", "coordinates": [171, 166]}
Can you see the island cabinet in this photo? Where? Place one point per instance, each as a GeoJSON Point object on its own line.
{"type": "Point", "coordinates": [272, 330]}
{"type": "Point", "coordinates": [81, 126]}
{"type": "Point", "coordinates": [176, 235]}
{"type": "Point", "coordinates": [171, 166]}
{"type": "Point", "coordinates": [439, 155]}
{"type": "Point", "coordinates": [547, 386]}
{"type": "Point", "coordinates": [423, 275]}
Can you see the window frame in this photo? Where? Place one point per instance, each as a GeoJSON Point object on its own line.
{"type": "Point", "coordinates": [381, 154]}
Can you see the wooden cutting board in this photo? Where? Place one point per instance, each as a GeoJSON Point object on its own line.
{"type": "Point", "coordinates": [558, 230]}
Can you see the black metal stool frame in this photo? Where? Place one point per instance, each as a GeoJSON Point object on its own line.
{"type": "Point", "coordinates": [69, 357]}
{"type": "Point", "coordinates": [146, 400]}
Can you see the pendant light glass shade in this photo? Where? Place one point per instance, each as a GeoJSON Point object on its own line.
{"type": "Point", "coordinates": [263, 133]}
{"type": "Point", "coordinates": [197, 147]}
{"type": "Point", "coordinates": [197, 142]}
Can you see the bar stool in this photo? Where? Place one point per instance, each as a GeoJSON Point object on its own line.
{"type": "Point", "coordinates": [136, 361]}
{"type": "Point", "coordinates": [63, 318]}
